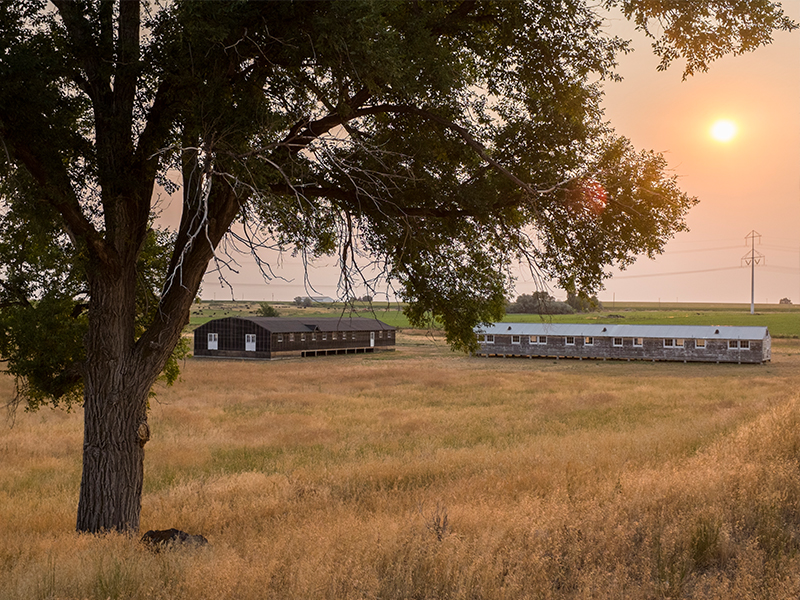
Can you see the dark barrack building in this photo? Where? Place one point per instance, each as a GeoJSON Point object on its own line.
{"type": "Point", "coordinates": [278, 337]}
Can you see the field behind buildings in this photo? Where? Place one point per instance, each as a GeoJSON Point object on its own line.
{"type": "Point", "coordinates": [426, 474]}
{"type": "Point", "coordinates": [783, 320]}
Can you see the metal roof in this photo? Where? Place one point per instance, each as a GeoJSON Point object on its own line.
{"type": "Point", "coordinates": [708, 332]}
{"type": "Point", "coordinates": [285, 325]}
{"type": "Point", "coordinates": [345, 324]}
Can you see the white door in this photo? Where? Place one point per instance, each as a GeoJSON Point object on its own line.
{"type": "Point", "coordinates": [371, 339]}
{"type": "Point", "coordinates": [212, 341]}
{"type": "Point", "coordinates": [250, 342]}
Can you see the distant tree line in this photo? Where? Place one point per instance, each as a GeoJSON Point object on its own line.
{"type": "Point", "coordinates": [365, 298]}
{"type": "Point", "coordinates": [542, 303]}
{"type": "Point", "coordinates": [305, 301]}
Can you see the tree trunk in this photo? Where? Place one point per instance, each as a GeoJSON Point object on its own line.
{"type": "Point", "coordinates": [120, 370]}
{"type": "Point", "coordinates": [115, 431]}
{"type": "Point", "coordinates": [116, 387]}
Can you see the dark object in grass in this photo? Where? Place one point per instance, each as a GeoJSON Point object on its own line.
{"type": "Point", "coordinates": [158, 540]}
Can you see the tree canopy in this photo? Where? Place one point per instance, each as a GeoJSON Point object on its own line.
{"type": "Point", "coordinates": [441, 141]}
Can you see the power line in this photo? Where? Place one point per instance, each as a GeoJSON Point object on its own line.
{"type": "Point", "coordinates": [779, 269]}
{"type": "Point", "coordinates": [717, 240]}
{"type": "Point", "coordinates": [781, 248]}
{"type": "Point", "coordinates": [703, 249]}
{"type": "Point", "coordinates": [677, 273]}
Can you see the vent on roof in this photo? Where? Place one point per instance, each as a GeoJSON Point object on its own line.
{"type": "Point", "coordinates": [509, 329]}
{"type": "Point", "coordinates": [604, 329]}
{"type": "Point", "coordinates": [717, 331]}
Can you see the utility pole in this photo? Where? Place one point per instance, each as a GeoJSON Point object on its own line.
{"type": "Point", "coordinates": [753, 258]}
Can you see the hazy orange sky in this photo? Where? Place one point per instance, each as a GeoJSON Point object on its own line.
{"type": "Point", "coordinates": [749, 183]}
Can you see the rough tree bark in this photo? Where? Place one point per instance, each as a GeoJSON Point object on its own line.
{"type": "Point", "coordinates": [121, 370]}
{"type": "Point", "coordinates": [115, 409]}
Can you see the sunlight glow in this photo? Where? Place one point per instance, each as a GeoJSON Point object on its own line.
{"type": "Point", "coordinates": [723, 130]}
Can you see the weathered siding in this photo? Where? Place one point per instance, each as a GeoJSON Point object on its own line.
{"type": "Point", "coordinates": [604, 347]}
{"type": "Point", "coordinates": [308, 344]}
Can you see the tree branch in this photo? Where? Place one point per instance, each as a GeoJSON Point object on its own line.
{"type": "Point", "coordinates": [458, 13]}
{"type": "Point", "coordinates": [305, 131]}
{"type": "Point", "coordinates": [220, 205]}
{"type": "Point", "coordinates": [352, 198]}
{"type": "Point", "coordinates": [23, 302]}
{"type": "Point", "coordinates": [58, 192]}
{"type": "Point", "coordinates": [463, 133]}
{"type": "Point", "coordinates": [127, 71]}
{"type": "Point", "coordinates": [97, 80]}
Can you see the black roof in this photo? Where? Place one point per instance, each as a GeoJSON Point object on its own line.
{"type": "Point", "coordinates": [345, 324]}
{"type": "Point", "coordinates": [286, 325]}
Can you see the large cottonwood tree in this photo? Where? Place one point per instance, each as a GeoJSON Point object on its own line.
{"type": "Point", "coordinates": [443, 139]}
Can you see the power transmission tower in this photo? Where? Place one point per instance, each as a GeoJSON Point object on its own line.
{"type": "Point", "coordinates": [752, 259]}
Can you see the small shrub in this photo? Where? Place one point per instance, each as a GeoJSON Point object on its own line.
{"type": "Point", "coordinates": [265, 309]}
{"type": "Point", "coordinates": [706, 548]}
{"type": "Point", "coordinates": [437, 521]}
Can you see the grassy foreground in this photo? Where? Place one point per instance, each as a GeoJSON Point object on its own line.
{"type": "Point", "coordinates": [424, 474]}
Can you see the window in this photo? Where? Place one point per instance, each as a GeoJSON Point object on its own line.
{"type": "Point", "coordinates": [679, 343]}
{"type": "Point", "coordinates": [291, 337]}
{"type": "Point", "coordinates": [250, 342]}
{"type": "Point", "coordinates": [744, 344]}
{"type": "Point", "coordinates": [324, 336]}
{"type": "Point", "coordinates": [618, 341]}
{"type": "Point", "coordinates": [353, 335]}
{"type": "Point", "coordinates": [638, 342]}
{"type": "Point", "coordinates": [333, 335]}
{"type": "Point", "coordinates": [699, 343]}
{"type": "Point", "coordinates": [542, 339]}
{"type": "Point", "coordinates": [280, 337]}
{"type": "Point", "coordinates": [313, 337]}
{"type": "Point", "coordinates": [302, 337]}
{"type": "Point", "coordinates": [380, 335]}
{"type": "Point", "coordinates": [490, 339]}
{"type": "Point", "coordinates": [588, 341]}
{"type": "Point", "coordinates": [733, 344]}
{"type": "Point", "coordinates": [669, 343]}
{"type": "Point", "coordinates": [213, 339]}
{"type": "Point", "coordinates": [515, 339]}
{"type": "Point", "coordinates": [569, 340]}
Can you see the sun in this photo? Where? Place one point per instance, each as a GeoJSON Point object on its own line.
{"type": "Point", "coordinates": [723, 130]}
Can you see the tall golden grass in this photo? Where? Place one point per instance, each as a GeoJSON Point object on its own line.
{"type": "Point", "coordinates": [423, 474]}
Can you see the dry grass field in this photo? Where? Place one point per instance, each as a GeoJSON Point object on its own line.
{"type": "Point", "coordinates": [424, 474]}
